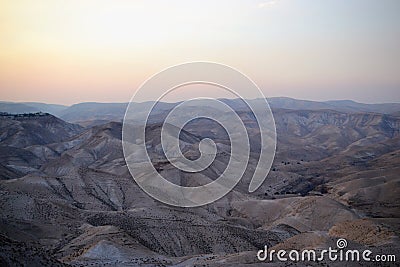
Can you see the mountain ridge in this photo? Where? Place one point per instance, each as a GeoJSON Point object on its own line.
{"type": "Point", "coordinates": [87, 111]}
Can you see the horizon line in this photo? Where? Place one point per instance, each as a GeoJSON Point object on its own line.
{"type": "Point", "coordinates": [125, 102]}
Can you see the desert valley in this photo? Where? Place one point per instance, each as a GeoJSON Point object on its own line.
{"type": "Point", "coordinates": [68, 199]}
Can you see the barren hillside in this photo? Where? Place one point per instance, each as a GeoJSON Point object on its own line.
{"type": "Point", "coordinates": [65, 192]}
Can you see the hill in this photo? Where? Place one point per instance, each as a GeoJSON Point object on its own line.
{"type": "Point", "coordinates": [67, 190]}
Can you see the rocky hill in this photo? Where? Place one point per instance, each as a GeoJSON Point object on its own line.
{"type": "Point", "coordinates": [29, 140]}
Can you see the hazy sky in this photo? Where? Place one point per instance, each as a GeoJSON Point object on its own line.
{"type": "Point", "coordinates": [79, 50]}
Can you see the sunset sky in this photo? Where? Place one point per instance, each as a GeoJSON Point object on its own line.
{"type": "Point", "coordinates": [96, 50]}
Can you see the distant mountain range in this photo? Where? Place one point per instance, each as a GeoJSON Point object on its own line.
{"type": "Point", "coordinates": [29, 107]}
{"type": "Point", "coordinates": [92, 111]}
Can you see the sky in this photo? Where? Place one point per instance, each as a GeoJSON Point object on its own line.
{"type": "Point", "coordinates": [71, 51]}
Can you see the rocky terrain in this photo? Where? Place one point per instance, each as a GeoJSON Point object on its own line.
{"type": "Point", "coordinates": [67, 198]}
